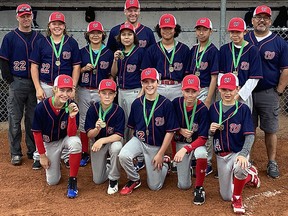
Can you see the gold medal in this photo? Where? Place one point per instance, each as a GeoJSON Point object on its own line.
{"type": "Point", "coordinates": [147, 132]}
{"type": "Point", "coordinates": [221, 127]}
{"type": "Point", "coordinates": [103, 124]}
{"type": "Point", "coordinates": [235, 73]}
{"type": "Point", "coordinates": [171, 68]}
{"type": "Point", "coordinates": [189, 140]}
{"type": "Point", "coordinates": [197, 73]}
{"type": "Point", "coordinates": [58, 63]}
{"type": "Point", "coordinates": [94, 71]}
{"type": "Point", "coordinates": [121, 56]}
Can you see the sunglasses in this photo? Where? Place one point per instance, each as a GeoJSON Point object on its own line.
{"type": "Point", "coordinates": [24, 9]}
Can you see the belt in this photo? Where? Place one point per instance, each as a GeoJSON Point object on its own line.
{"type": "Point", "coordinates": [223, 154]}
{"type": "Point", "coordinates": [169, 82]}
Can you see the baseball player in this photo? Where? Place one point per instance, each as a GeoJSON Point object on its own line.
{"type": "Point", "coordinates": [96, 62]}
{"type": "Point", "coordinates": [104, 124]}
{"type": "Point", "coordinates": [14, 53]}
{"type": "Point", "coordinates": [144, 34]}
{"type": "Point", "coordinates": [242, 59]}
{"type": "Point", "coordinates": [233, 136]}
{"type": "Point", "coordinates": [55, 124]}
{"type": "Point", "coordinates": [153, 123]}
{"type": "Point", "coordinates": [126, 66]}
{"type": "Point", "coordinates": [193, 118]}
{"type": "Point", "coordinates": [274, 56]}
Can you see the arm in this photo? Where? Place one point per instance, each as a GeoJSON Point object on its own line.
{"type": "Point", "coordinates": [44, 161]}
{"type": "Point", "coordinates": [5, 71]}
{"type": "Point", "coordinates": [247, 89]}
{"type": "Point", "coordinates": [283, 81]}
{"type": "Point", "coordinates": [211, 91]}
{"type": "Point", "coordinates": [40, 94]}
{"type": "Point", "coordinates": [242, 157]}
{"type": "Point", "coordinates": [75, 77]}
{"type": "Point", "coordinates": [114, 68]}
{"type": "Point", "coordinates": [104, 140]}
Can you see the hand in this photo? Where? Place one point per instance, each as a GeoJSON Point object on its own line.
{"type": "Point", "coordinates": [97, 125]}
{"type": "Point", "coordinates": [97, 145]}
{"type": "Point", "coordinates": [237, 97]}
{"type": "Point", "coordinates": [88, 67]}
{"type": "Point", "coordinates": [118, 55]}
{"type": "Point", "coordinates": [207, 103]}
{"type": "Point", "coordinates": [40, 94]}
{"type": "Point", "coordinates": [186, 133]}
{"type": "Point", "coordinates": [157, 162]}
{"type": "Point", "coordinates": [44, 161]}
{"type": "Point", "coordinates": [72, 96]}
{"type": "Point", "coordinates": [73, 110]}
{"type": "Point", "coordinates": [179, 155]}
{"type": "Point", "coordinates": [214, 126]}
{"type": "Point", "coordinates": [242, 161]}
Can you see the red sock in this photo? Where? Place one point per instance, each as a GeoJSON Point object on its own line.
{"type": "Point", "coordinates": [238, 186]}
{"type": "Point", "coordinates": [84, 140]}
{"type": "Point", "coordinates": [74, 162]}
{"type": "Point", "coordinates": [173, 145]}
{"type": "Point", "coordinates": [248, 179]}
{"type": "Point", "coordinates": [201, 165]}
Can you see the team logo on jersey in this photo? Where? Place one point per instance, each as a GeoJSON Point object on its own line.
{"type": "Point", "coordinates": [63, 125]}
{"type": "Point", "coordinates": [104, 65]}
{"type": "Point", "coordinates": [178, 66]}
{"type": "Point", "coordinates": [203, 65]}
{"type": "Point", "coordinates": [46, 138]}
{"type": "Point", "coordinates": [159, 121]}
{"type": "Point", "coordinates": [244, 66]}
{"type": "Point", "coordinates": [110, 130]}
{"type": "Point", "coordinates": [269, 55]}
{"type": "Point", "coordinates": [234, 128]}
{"type": "Point", "coordinates": [131, 68]}
{"type": "Point", "coordinates": [66, 55]}
{"type": "Point", "coordinates": [142, 43]}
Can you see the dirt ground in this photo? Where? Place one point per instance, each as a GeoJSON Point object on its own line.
{"type": "Point", "coordinates": [25, 192]}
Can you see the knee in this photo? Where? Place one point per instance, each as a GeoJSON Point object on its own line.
{"type": "Point", "coordinates": [155, 187]}
{"type": "Point", "coordinates": [76, 146]}
{"type": "Point", "coordinates": [240, 173]}
{"type": "Point", "coordinates": [124, 156]}
{"type": "Point", "coordinates": [183, 186]}
{"type": "Point", "coordinates": [53, 181]}
{"type": "Point", "coordinates": [201, 152]}
{"type": "Point", "coordinates": [116, 147]}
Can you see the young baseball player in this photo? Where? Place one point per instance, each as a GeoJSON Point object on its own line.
{"type": "Point", "coordinates": [144, 34]}
{"type": "Point", "coordinates": [104, 124]}
{"type": "Point", "coordinates": [96, 63]}
{"type": "Point", "coordinates": [242, 59]}
{"type": "Point", "coordinates": [14, 53]}
{"type": "Point", "coordinates": [193, 118]}
{"type": "Point", "coordinates": [54, 128]}
{"type": "Point", "coordinates": [274, 56]}
{"type": "Point", "coordinates": [233, 136]}
{"type": "Point", "coordinates": [153, 123]}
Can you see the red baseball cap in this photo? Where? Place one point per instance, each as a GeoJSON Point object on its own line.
{"type": "Point", "coordinates": [191, 82]}
{"type": "Point", "coordinates": [63, 81]}
{"type": "Point", "coordinates": [205, 22]}
{"type": "Point", "coordinates": [167, 20]}
{"type": "Point", "coordinates": [237, 24]}
{"type": "Point", "coordinates": [150, 73]}
{"type": "Point", "coordinates": [127, 25]}
{"type": "Point", "coordinates": [23, 9]}
{"type": "Point", "coordinates": [107, 84]}
{"type": "Point", "coordinates": [95, 26]}
{"type": "Point", "coordinates": [57, 16]}
{"type": "Point", "coordinates": [262, 9]}
{"type": "Point", "coordinates": [228, 81]}
{"type": "Point", "coordinates": [131, 3]}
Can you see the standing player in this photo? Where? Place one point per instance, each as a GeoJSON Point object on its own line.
{"type": "Point", "coordinates": [233, 137]}
{"type": "Point", "coordinates": [193, 118]}
{"type": "Point", "coordinates": [15, 50]}
{"type": "Point", "coordinates": [153, 124]}
{"type": "Point", "coordinates": [274, 56]}
{"type": "Point", "coordinates": [105, 123]}
{"type": "Point", "coordinates": [54, 128]}
{"type": "Point", "coordinates": [242, 59]}
{"type": "Point", "coordinates": [96, 63]}
{"type": "Point", "coordinates": [144, 34]}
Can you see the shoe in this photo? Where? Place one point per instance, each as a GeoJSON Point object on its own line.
{"type": "Point", "coordinates": [36, 165]}
{"type": "Point", "coordinates": [272, 169]}
{"type": "Point", "coordinates": [72, 191]}
{"type": "Point", "coordinates": [16, 160]}
{"type": "Point", "coordinates": [199, 196]}
{"type": "Point", "coordinates": [167, 160]}
{"type": "Point", "coordinates": [130, 186]}
{"type": "Point", "coordinates": [113, 187]}
{"type": "Point", "coordinates": [139, 165]}
{"type": "Point", "coordinates": [66, 163]}
{"type": "Point", "coordinates": [108, 160]}
{"type": "Point", "coordinates": [85, 158]}
{"type": "Point", "coordinates": [209, 170]}
{"type": "Point", "coordinates": [255, 180]}
{"type": "Point", "coordinates": [237, 205]}
{"type": "Point", "coordinates": [174, 167]}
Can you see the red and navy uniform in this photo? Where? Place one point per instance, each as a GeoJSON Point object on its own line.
{"type": "Point", "coordinates": [232, 137]}
{"type": "Point", "coordinates": [249, 66]}
{"type": "Point", "coordinates": [43, 55]}
{"type": "Point", "coordinates": [201, 122]}
{"type": "Point", "coordinates": [274, 55]}
{"type": "Point", "coordinates": [18, 59]}
{"type": "Point", "coordinates": [144, 34]}
{"type": "Point", "coordinates": [163, 120]}
{"type": "Point", "coordinates": [129, 73]}
{"type": "Point", "coordinates": [155, 58]}
{"type": "Point", "coordinates": [52, 124]}
{"type": "Point", "coordinates": [87, 78]}
{"type": "Point", "coordinates": [115, 120]}
{"type": "Point", "coordinates": [208, 66]}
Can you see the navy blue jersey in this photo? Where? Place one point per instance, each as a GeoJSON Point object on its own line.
{"type": "Point", "coordinates": [53, 127]}
{"type": "Point", "coordinates": [129, 73]}
{"type": "Point", "coordinates": [115, 120]}
{"type": "Point", "coordinates": [249, 66]}
{"type": "Point", "coordinates": [43, 55]}
{"type": "Point", "coordinates": [201, 121]}
{"type": "Point", "coordinates": [163, 120]}
{"type": "Point", "coordinates": [87, 78]}
{"type": "Point", "coordinates": [155, 58]}
{"type": "Point", "coordinates": [16, 48]}
{"type": "Point", "coordinates": [144, 34]}
{"type": "Point", "coordinates": [274, 56]}
{"type": "Point", "coordinates": [232, 137]}
{"type": "Point", "coordinates": [208, 66]}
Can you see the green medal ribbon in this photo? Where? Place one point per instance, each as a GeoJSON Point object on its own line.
{"type": "Point", "coordinates": [173, 52]}
{"type": "Point", "coordinates": [236, 62]}
{"type": "Point", "coordinates": [202, 54]}
{"type": "Point", "coordinates": [65, 106]}
{"type": "Point", "coordinates": [129, 51]}
{"type": "Point", "coordinates": [97, 57]}
{"type": "Point", "coordinates": [102, 117]}
{"type": "Point", "coordinates": [147, 121]}
{"type": "Point", "coordinates": [57, 53]}
{"type": "Point", "coordinates": [189, 124]}
{"type": "Point", "coordinates": [220, 112]}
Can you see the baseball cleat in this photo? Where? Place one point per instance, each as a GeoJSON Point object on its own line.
{"type": "Point", "coordinates": [255, 180]}
{"type": "Point", "coordinates": [199, 196]}
{"type": "Point", "coordinates": [130, 186]}
{"type": "Point", "coordinates": [72, 191]}
{"type": "Point", "coordinates": [85, 158]}
{"type": "Point", "coordinates": [113, 187]}
{"type": "Point", "coordinates": [237, 205]}
{"type": "Point", "coordinates": [272, 169]}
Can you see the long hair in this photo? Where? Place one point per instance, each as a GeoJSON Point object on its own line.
{"type": "Point", "coordinates": [177, 30]}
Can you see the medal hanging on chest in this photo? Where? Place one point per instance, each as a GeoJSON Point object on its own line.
{"type": "Point", "coordinates": [170, 60]}
{"type": "Point", "coordinates": [189, 125]}
{"type": "Point", "coordinates": [198, 59]}
{"type": "Point", "coordinates": [57, 53]}
{"type": "Point", "coordinates": [102, 115]}
{"type": "Point", "coordinates": [220, 122]}
{"type": "Point", "coordinates": [148, 119]}
{"type": "Point", "coordinates": [236, 61]}
{"type": "Point", "coordinates": [94, 63]}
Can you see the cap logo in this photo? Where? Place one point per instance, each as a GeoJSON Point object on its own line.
{"type": "Point", "coordinates": [66, 80]}
{"type": "Point", "coordinates": [202, 21]}
{"type": "Point", "coordinates": [236, 23]}
{"type": "Point", "coordinates": [95, 25]}
{"type": "Point", "coordinates": [58, 16]}
{"type": "Point", "coordinates": [190, 81]}
{"type": "Point", "coordinates": [108, 84]}
{"type": "Point", "coordinates": [264, 9]}
{"type": "Point", "coordinates": [147, 72]}
{"type": "Point", "coordinates": [167, 20]}
{"type": "Point", "coordinates": [131, 1]}
{"type": "Point", "coordinates": [227, 79]}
